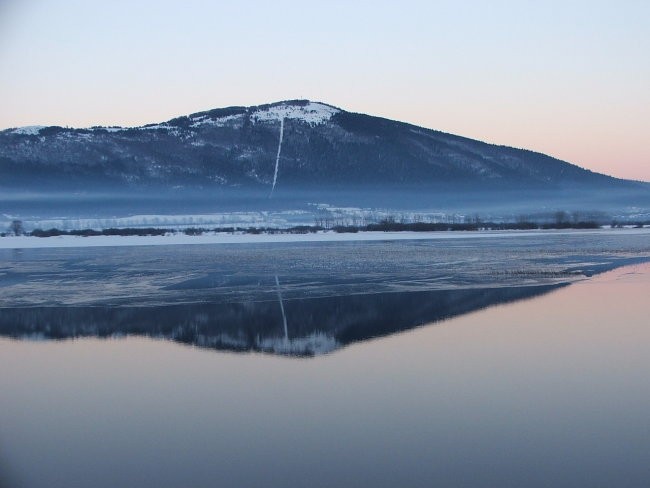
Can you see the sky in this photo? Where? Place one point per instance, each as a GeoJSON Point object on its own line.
{"type": "Point", "coordinates": [567, 78]}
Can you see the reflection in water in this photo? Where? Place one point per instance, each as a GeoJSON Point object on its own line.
{"type": "Point", "coordinates": [296, 327]}
{"type": "Point", "coordinates": [551, 391]}
{"type": "Point", "coordinates": [284, 316]}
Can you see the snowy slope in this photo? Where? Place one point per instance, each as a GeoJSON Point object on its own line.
{"type": "Point", "coordinates": [286, 145]}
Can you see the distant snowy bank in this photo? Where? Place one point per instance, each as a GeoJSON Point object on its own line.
{"type": "Point", "coordinates": [31, 242]}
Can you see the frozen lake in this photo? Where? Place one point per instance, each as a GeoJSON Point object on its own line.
{"type": "Point", "coordinates": [514, 361]}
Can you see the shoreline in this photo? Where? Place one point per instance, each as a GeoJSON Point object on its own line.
{"type": "Point", "coordinates": [67, 241]}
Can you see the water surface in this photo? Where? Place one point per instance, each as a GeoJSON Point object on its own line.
{"type": "Point", "coordinates": [474, 363]}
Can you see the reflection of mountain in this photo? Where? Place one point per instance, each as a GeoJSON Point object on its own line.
{"type": "Point", "coordinates": [314, 325]}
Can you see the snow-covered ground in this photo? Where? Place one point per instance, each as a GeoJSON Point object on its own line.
{"type": "Point", "coordinates": [322, 214]}
{"type": "Point", "coordinates": [313, 113]}
{"type": "Point", "coordinates": [29, 242]}
{"type": "Point", "coordinates": [30, 130]}
{"type": "Point", "coordinates": [277, 219]}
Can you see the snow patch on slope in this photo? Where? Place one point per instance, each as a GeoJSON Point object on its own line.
{"type": "Point", "coordinates": [164, 125]}
{"type": "Point", "coordinates": [30, 130]}
{"type": "Point", "coordinates": [312, 113]}
{"type": "Point", "coordinates": [277, 158]}
{"type": "Point", "coordinates": [206, 120]}
{"type": "Point", "coordinates": [175, 131]}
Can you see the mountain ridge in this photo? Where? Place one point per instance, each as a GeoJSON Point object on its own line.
{"type": "Point", "coordinates": [282, 148]}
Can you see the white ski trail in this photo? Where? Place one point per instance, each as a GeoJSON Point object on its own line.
{"type": "Point", "coordinates": [277, 158]}
{"type": "Point", "coordinates": [284, 317]}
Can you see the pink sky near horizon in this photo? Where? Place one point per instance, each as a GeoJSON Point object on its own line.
{"type": "Point", "coordinates": [566, 79]}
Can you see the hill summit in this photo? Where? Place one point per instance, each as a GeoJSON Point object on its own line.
{"type": "Point", "coordinates": [300, 150]}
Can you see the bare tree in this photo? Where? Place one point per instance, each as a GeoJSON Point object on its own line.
{"type": "Point", "coordinates": [17, 227]}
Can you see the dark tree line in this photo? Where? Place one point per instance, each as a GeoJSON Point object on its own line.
{"type": "Point", "coordinates": [149, 231]}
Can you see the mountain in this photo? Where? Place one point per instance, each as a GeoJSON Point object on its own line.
{"type": "Point", "coordinates": [292, 149]}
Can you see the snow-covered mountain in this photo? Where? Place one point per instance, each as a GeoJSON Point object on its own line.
{"type": "Point", "coordinates": [281, 148]}
{"type": "Point", "coordinates": [239, 146]}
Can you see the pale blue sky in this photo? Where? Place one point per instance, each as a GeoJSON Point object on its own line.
{"type": "Point", "coordinates": [566, 78]}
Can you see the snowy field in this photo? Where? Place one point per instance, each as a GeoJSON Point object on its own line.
{"type": "Point", "coordinates": [29, 242]}
{"type": "Point", "coordinates": [92, 215]}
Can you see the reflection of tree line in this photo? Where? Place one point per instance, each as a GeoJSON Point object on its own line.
{"type": "Point", "coordinates": [259, 326]}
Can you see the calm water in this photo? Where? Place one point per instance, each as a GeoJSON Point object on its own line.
{"type": "Point", "coordinates": [536, 383]}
